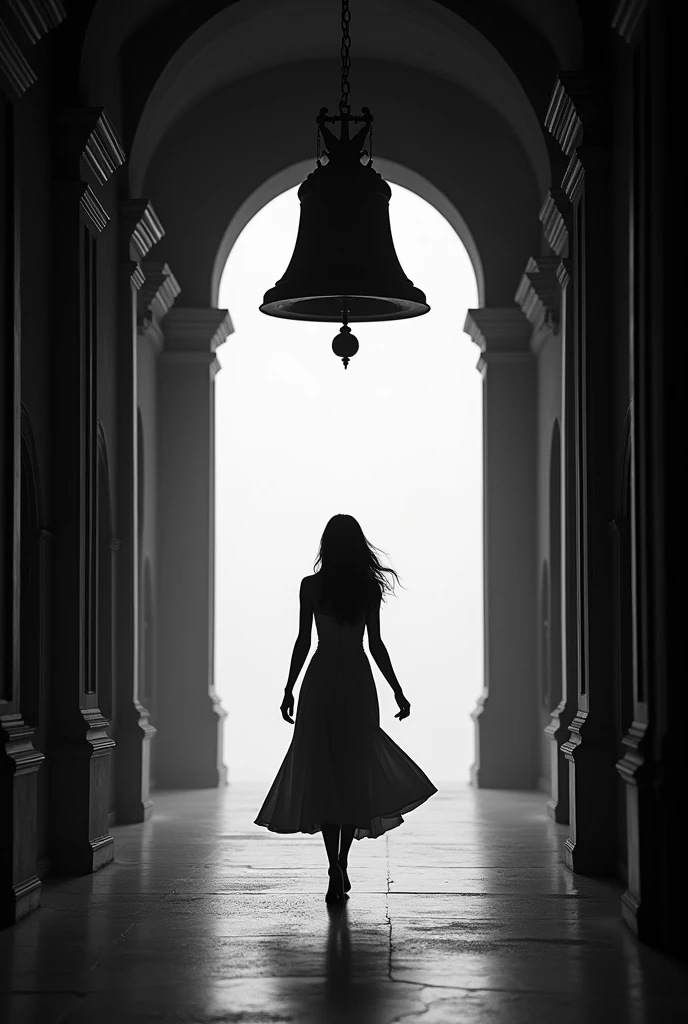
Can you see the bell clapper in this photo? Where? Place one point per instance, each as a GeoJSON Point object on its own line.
{"type": "Point", "coordinates": [345, 344]}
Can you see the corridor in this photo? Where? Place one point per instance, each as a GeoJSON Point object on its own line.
{"type": "Point", "coordinates": [465, 914]}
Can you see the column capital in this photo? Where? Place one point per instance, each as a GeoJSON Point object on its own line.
{"type": "Point", "coordinates": [502, 333]}
{"type": "Point", "coordinates": [196, 329]}
{"type": "Point", "coordinates": [539, 296]}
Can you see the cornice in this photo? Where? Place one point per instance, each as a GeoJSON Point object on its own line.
{"type": "Point", "coordinates": [578, 105]}
{"type": "Point", "coordinates": [574, 179]}
{"type": "Point", "coordinates": [14, 67]}
{"type": "Point", "coordinates": [501, 333]}
{"type": "Point", "coordinates": [627, 18]}
{"type": "Point", "coordinates": [539, 296]}
{"type": "Point", "coordinates": [562, 119]}
{"type": "Point", "coordinates": [563, 273]}
{"type": "Point", "coordinates": [94, 210]}
{"type": "Point", "coordinates": [37, 17]}
{"type": "Point", "coordinates": [156, 295]}
{"type": "Point", "coordinates": [141, 228]}
{"type": "Point", "coordinates": [87, 134]}
{"type": "Point", "coordinates": [196, 329]}
{"type": "Point", "coordinates": [555, 217]}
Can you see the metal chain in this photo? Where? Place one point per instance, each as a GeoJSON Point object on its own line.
{"type": "Point", "coordinates": [344, 107]}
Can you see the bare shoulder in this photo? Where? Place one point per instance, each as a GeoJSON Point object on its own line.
{"type": "Point", "coordinates": [308, 582]}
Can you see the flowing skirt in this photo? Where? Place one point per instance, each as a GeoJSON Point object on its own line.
{"type": "Point", "coordinates": [340, 765]}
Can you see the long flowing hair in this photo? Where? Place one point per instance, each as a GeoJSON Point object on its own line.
{"type": "Point", "coordinates": [350, 572]}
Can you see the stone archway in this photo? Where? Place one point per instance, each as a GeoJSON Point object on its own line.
{"type": "Point", "coordinates": [207, 157]}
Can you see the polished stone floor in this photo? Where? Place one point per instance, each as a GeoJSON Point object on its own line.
{"type": "Point", "coordinates": [464, 914]}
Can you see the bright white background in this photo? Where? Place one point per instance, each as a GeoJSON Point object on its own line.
{"type": "Point", "coordinates": [394, 440]}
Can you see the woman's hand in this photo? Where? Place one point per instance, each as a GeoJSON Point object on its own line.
{"type": "Point", "coordinates": [287, 707]}
{"type": "Point", "coordinates": [403, 704]}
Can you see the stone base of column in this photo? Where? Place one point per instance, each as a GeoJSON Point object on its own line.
{"type": "Point", "coordinates": [190, 747]}
{"type": "Point", "coordinates": [133, 735]}
{"type": "Point", "coordinates": [504, 748]}
{"type": "Point", "coordinates": [558, 733]}
{"type": "Point", "coordinates": [591, 846]}
{"type": "Point", "coordinates": [80, 782]}
{"type": "Point", "coordinates": [20, 887]}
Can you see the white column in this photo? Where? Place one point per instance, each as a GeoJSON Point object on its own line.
{"type": "Point", "coordinates": [190, 714]}
{"type": "Point", "coordinates": [505, 716]}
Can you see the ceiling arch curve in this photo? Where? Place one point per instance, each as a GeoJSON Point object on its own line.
{"type": "Point", "coordinates": [251, 36]}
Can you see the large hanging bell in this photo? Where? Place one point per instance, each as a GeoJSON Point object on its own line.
{"type": "Point", "coordinates": [344, 256]}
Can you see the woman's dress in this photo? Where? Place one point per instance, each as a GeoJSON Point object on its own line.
{"type": "Point", "coordinates": [341, 766]}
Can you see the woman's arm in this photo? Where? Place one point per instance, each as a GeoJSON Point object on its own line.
{"type": "Point", "coordinates": [378, 651]}
{"type": "Point", "coordinates": [303, 641]}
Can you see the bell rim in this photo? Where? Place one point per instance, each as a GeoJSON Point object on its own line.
{"type": "Point", "coordinates": [411, 308]}
{"type": "Point", "coordinates": [407, 308]}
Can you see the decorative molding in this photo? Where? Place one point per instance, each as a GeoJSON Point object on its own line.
{"type": "Point", "coordinates": [93, 208]}
{"type": "Point", "coordinates": [562, 119]}
{"type": "Point", "coordinates": [196, 329]}
{"type": "Point", "coordinates": [627, 18]}
{"type": "Point", "coordinates": [555, 217]}
{"type": "Point", "coordinates": [14, 66]}
{"type": "Point", "coordinates": [577, 107]}
{"type": "Point", "coordinates": [539, 296]}
{"type": "Point", "coordinates": [501, 333]}
{"type": "Point", "coordinates": [141, 228]}
{"type": "Point", "coordinates": [563, 273]}
{"type": "Point", "coordinates": [574, 179]}
{"type": "Point", "coordinates": [89, 135]}
{"type": "Point", "coordinates": [157, 294]}
{"type": "Point", "coordinates": [37, 17]}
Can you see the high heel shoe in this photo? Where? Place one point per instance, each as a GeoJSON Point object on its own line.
{"type": "Point", "coordinates": [335, 891]}
{"type": "Point", "coordinates": [345, 876]}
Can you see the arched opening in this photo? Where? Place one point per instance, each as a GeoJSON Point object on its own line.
{"type": "Point", "coordinates": [105, 684]}
{"type": "Point", "coordinates": [395, 440]}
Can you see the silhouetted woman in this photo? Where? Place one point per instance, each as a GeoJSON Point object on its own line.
{"type": "Point", "coordinates": [342, 774]}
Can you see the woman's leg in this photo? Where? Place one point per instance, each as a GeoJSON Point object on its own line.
{"type": "Point", "coordinates": [345, 841]}
{"type": "Point", "coordinates": [330, 831]}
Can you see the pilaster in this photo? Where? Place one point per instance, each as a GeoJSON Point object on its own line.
{"type": "Point", "coordinates": [19, 760]}
{"type": "Point", "coordinates": [506, 756]}
{"type": "Point", "coordinates": [189, 753]}
{"type": "Point", "coordinates": [542, 297]}
{"type": "Point", "coordinates": [139, 308]}
{"type": "Point", "coordinates": [578, 118]}
{"type": "Point", "coordinates": [87, 153]}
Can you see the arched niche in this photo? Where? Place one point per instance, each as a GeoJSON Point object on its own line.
{"type": "Point", "coordinates": [104, 588]}
{"type": "Point", "coordinates": [147, 640]}
{"type": "Point", "coordinates": [545, 635]}
{"type": "Point", "coordinates": [30, 617]}
{"type": "Point", "coordinates": [296, 173]}
{"type": "Point", "coordinates": [34, 696]}
{"type": "Point", "coordinates": [555, 557]}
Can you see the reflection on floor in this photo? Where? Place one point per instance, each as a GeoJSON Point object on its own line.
{"type": "Point", "coordinates": [463, 914]}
